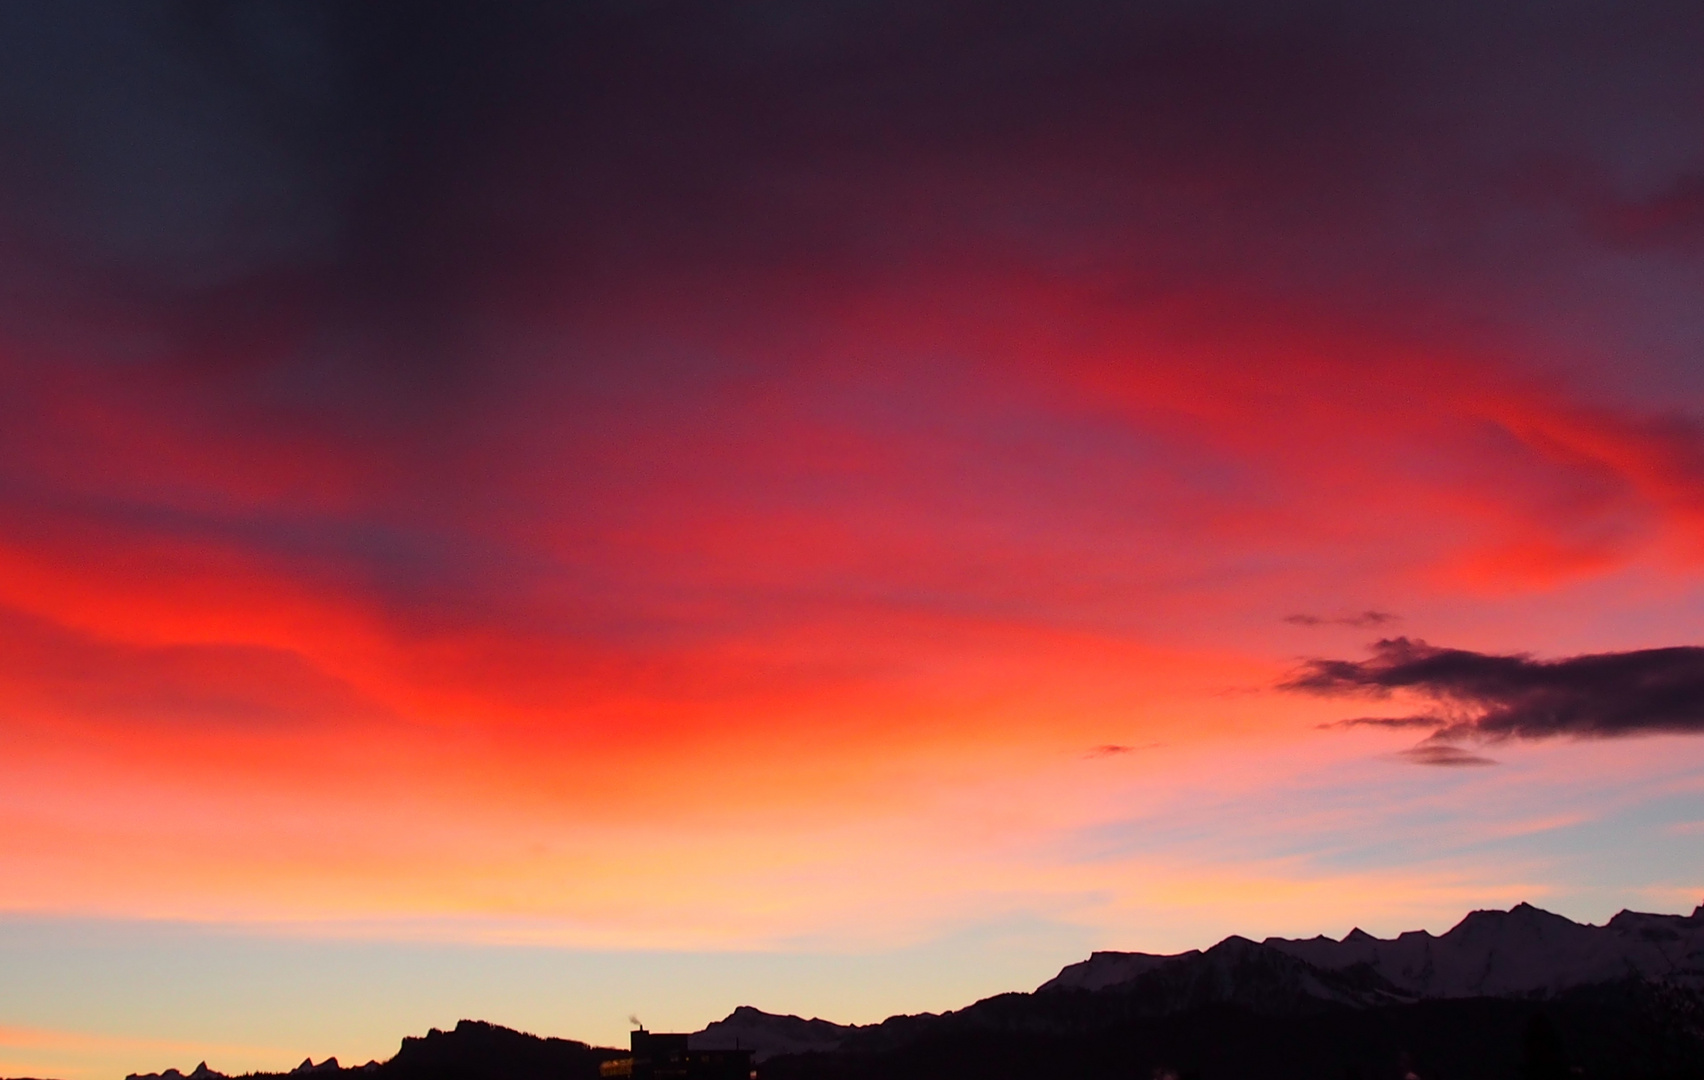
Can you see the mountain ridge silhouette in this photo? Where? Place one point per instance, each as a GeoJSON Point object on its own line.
{"type": "Point", "coordinates": [1502, 995]}
{"type": "Point", "coordinates": [1525, 953]}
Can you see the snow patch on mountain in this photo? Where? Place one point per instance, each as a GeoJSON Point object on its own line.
{"type": "Point", "coordinates": [1104, 969]}
{"type": "Point", "coordinates": [769, 1034]}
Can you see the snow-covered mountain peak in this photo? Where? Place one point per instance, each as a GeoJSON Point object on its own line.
{"type": "Point", "coordinates": [1522, 952]}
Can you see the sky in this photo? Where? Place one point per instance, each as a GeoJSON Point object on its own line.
{"type": "Point", "coordinates": [544, 513]}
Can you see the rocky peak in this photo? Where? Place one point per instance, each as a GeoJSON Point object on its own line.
{"type": "Point", "coordinates": [769, 1034]}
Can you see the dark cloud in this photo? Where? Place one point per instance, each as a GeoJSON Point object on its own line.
{"type": "Point", "coordinates": [1443, 755]}
{"type": "Point", "coordinates": [1362, 621]}
{"type": "Point", "coordinates": [401, 162]}
{"type": "Point", "coordinates": [1490, 696]}
{"type": "Point", "coordinates": [336, 220]}
{"type": "Point", "coordinates": [1386, 722]}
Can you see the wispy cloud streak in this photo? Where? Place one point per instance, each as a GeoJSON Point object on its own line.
{"type": "Point", "coordinates": [1360, 621]}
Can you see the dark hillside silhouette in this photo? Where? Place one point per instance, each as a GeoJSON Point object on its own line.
{"type": "Point", "coordinates": [1518, 995]}
{"type": "Point", "coordinates": [1626, 1032]}
{"type": "Point", "coordinates": [1632, 1030]}
{"type": "Point", "coordinates": [476, 1050]}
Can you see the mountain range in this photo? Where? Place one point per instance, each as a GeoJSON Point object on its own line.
{"type": "Point", "coordinates": [1522, 994]}
{"type": "Point", "coordinates": [1523, 954]}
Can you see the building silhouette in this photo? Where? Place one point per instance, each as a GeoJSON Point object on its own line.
{"type": "Point", "coordinates": [660, 1056]}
